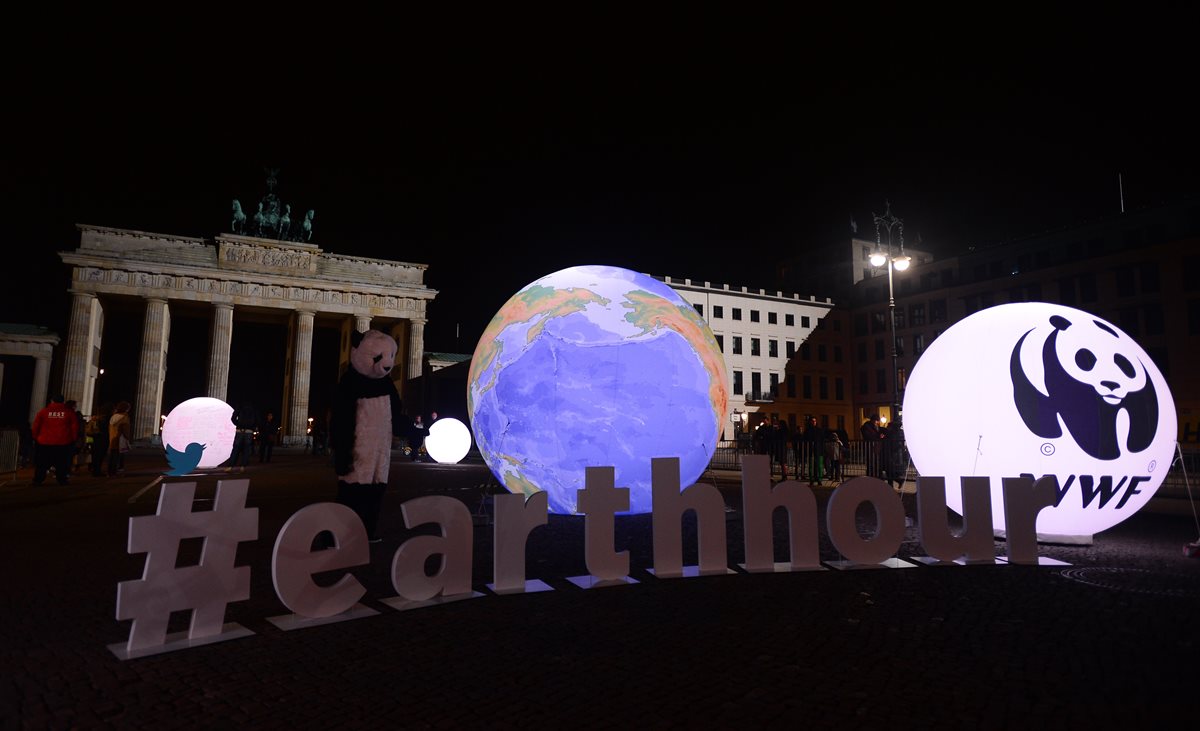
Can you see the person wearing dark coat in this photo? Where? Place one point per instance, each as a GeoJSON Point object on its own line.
{"type": "Point", "coordinates": [873, 446]}
{"type": "Point", "coordinates": [894, 460]}
{"type": "Point", "coordinates": [97, 432]}
{"type": "Point", "coordinates": [814, 443]}
{"type": "Point", "coordinates": [245, 422]}
{"type": "Point", "coordinates": [779, 433]}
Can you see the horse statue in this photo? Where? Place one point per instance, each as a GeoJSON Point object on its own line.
{"type": "Point", "coordinates": [306, 226]}
{"type": "Point", "coordinates": [260, 220]}
{"type": "Point", "coordinates": [285, 222]}
{"type": "Point", "coordinates": [239, 217]}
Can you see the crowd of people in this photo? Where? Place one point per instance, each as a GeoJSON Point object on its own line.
{"type": "Point", "coordinates": [61, 441]}
{"type": "Point", "coordinates": [816, 454]}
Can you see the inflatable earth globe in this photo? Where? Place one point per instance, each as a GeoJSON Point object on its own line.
{"type": "Point", "coordinates": [595, 366]}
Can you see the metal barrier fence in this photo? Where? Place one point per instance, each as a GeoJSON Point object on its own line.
{"type": "Point", "coordinates": [10, 449]}
{"type": "Point", "coordinates": [858, 459]}
{"type": "Point", "coordinates": [1175, 485]}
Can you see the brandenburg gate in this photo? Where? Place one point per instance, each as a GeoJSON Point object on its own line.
{"type": "Point", "coordinates": [293, 281]}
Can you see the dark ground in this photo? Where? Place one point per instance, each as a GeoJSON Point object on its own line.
{"type": "Point", "coordinates": [1108, 642]}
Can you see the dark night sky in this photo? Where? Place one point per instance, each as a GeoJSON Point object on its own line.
{"type": "Point", "coordinates": [701, 146]}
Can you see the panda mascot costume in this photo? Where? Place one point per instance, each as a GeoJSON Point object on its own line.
{"type": "Point", "coordinates": [366, 417]}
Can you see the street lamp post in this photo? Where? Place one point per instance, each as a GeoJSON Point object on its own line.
{"type": "Point", "coordinates": [900, 263]}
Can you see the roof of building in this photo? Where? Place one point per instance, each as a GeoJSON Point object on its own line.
{"type": "Point", "coordinates": [17, 328]}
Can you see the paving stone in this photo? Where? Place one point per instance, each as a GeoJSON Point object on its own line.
{"type": "Point", "coordinates": [929, 647]}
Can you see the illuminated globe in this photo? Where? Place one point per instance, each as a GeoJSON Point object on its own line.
{"type": "Point", "coordinates": [595, 366]}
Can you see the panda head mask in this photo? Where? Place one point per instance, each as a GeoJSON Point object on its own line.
{"type": "Point", "coordinates": [372, 354]}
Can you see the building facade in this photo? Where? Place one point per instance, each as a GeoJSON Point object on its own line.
{"type": "Point", "coordinates": [1130, 269]}
{"type": "Point", "coordinates": [774, 369]}
{"type": "Point", "coordinates": [290, 285]}
{"type": "Point", "coordinates": [29, 341]}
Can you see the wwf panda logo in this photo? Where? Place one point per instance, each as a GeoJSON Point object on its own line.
{"type": "Point", "coordinates": [1096, 386]}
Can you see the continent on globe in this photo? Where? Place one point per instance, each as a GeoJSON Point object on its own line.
{"type": "Point", "coordinates": [595, 366]}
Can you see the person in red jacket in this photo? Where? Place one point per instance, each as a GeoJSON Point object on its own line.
{"type": "Point", "coordinates": [55, 429]}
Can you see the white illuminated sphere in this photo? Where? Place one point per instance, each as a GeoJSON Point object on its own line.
{"type": "Point", "coordinates": [204, 421]}
{"type": "Point", "coordinates": [449, 440]}
{"type": "Point", "coordinates": [1043, 389]}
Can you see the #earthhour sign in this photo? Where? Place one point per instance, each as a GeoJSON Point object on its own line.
{"type": "Point", "coordinates": [1043, 390]}
{"type": "Point", "coordinates": [1049, 418]}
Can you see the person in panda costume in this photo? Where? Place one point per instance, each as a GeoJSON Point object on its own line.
{"type": "Point", "coordinates": [366, 419]}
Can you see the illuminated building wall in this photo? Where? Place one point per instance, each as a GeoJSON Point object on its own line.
{"type": "Point", "coordinates": [763, 335]}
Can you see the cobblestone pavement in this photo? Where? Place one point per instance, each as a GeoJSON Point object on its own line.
{"type": "Point", "coordinates": [1107, 642]}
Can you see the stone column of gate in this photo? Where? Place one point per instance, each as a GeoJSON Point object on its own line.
{"type": "Point", "coordinates": [41, 383]}
{"type": "Point", "coordinates": [297, 427]}
{"type": "Point", "coordinates": [151, 369]}
{"type": "Point", "coordinates": [362, 323]}
{"type": "Point", "coordinates": [416, 346]}
{"type": "Point", "coordinates": [218, 356]}
{"type": "Point", "coordinates": [79, 350]}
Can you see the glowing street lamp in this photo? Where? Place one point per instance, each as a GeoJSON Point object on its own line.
{"type": "Point", "coordinates": [900, 263]}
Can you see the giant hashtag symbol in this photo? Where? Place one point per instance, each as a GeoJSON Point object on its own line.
{"type": "Point", "coordinates": [205, 588]}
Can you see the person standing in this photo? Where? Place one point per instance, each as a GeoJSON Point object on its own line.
{"type": "Point", "coordinates": [762, 437]}
{"type": "Point", "coordinates": [418, 437]}
{"type": "Point", "coordinates": [320, 435]}
{"type": "Point", "coordinates": [97, 432]}
{"type": "Point", "coordinates": [894, 460]}
{"type": "Point", "coordinates": [781, 436]}
{"type": "Point", "coordinates": [55, 430]}
{"type": "Point", "coordinates": [245, 420]}
{"type": "Point", "coordinates": [366, 426]}
{"type": "Point", "coordinates": [872, 445]}
{"type": "Point", "coordinates": [118, 430]}
{"type": "Point", "coordinates": [833, 454]}
{"type": "Point", "coordinates": [78, 453]}
{"type": "Point", "coordinates": [266, 437]}
{"type": "Point", "coordinates": [814, 438]}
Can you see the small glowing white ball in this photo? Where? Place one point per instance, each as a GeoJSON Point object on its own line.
{"type": "Point", "coordinates": [449, 440]}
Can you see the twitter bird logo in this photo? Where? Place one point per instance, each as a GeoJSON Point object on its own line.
{"type": "Point", "coordinates": [183, 462]}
